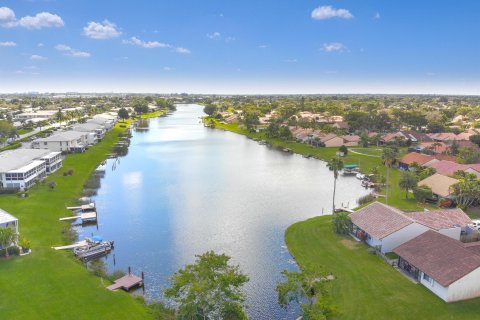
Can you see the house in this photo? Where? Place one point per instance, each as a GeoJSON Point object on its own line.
{"type": "Point", "coordinates": [9, 221]}
{"type": "Point", "coordinates": [21, 168]}
{"type": "Point", "coordinates": [69, 141]}
{"type": "Point", "coordinates": [385, 227]}
{"type": "Point", "coordinates": [441, 185]}
{"type": "Point", "coordinates": [447, 267]}
{"type": "Point", "coordinates": [448, 168]}
{"type": "Point", "coordinates": [97, 129]}
{"type": "Point", "coordinates": [332, 140]}
{"type": "Point", "coordinates": [433, 147]}
{"type": "Point", "coordinates": [341, 125]}
{"type": "Point", "coordinates": [40, 114]}
{"type": "Point", "coordinates": [414, 157]}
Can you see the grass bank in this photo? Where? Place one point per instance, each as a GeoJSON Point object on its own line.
{"type": "Point", "coordinates": [366, 158]}
{"type": "Point", "coordinates": [155, 114]}
{"type": "Point", "coordinates": [50, 284]}
{"type": "Point", "coordinates": [365, 286]}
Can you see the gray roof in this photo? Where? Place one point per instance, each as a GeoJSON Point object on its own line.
{"type": "Point", "coordinates": [18, 158]}
{"type": "Point", "coordinates": [87, 127]}
{"type": "Point", "coordinates": [6, 217]}
{"type": "Point", "coordinates": [63, 136]}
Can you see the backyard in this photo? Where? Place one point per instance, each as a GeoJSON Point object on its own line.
{"type": "Point", "coordinates": [49, 284]}
{"type": "Point", "coordinates": [366, 287]}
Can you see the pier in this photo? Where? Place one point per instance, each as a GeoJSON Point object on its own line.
{"type": "Point", "coordinates": [127, 282]}
{"type": "Point", "coordinates": [85, 217]}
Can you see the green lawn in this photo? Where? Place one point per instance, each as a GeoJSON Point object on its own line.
{"type": "Point", "coordinates": [365, 286]}
{"type": "Point", "coordinates": [24, 131]}
{"type": "Point", "coordinates": [49, 284]}
{"type": "Point", "coordinates": [366, 163]}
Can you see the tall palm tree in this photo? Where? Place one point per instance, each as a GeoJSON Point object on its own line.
{"type": "Point", "coordinates": [335, 164]}
{"type": "Point", "coordinates": [389, 157]}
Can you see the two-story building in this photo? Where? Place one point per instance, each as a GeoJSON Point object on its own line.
{"type": "Point", "coordinates": [68, 141]}
{"type": "Point", "coordinates": [22, 168]}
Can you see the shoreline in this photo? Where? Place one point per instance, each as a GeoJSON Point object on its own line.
{"type": "Point", "coordinates": [48, 273]}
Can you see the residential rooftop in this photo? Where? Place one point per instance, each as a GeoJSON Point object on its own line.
{"type": "Point", "coordinates": [19, 158]}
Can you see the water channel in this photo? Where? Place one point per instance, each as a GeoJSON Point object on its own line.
{"type": "Point", "coordinates": [184, 189]}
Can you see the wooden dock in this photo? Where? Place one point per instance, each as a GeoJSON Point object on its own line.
{"type": "Point", "coordinates": [84, 207]}
{"type": "Point", "coordinates": [85, 217]}
{"type": "Point", "coordinates": [71, 246]}
{"type": "Point", "coordinates": [126, 283]}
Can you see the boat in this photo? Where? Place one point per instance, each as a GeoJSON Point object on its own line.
{"type": "Point", "coordinates": [350, 170]}
{"type": "Point", "coordinates": [360, 176]}
{"type": "Point", "coordinates": [286, 150]}
{"type": "Point", "coordinates": [94, 248]}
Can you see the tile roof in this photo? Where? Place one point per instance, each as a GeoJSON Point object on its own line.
{"type": "Point", "coordinates": [437, 148]}
{"type": "Point", "coordinates": [380, 220]}
{"type": "Point", "coordinates": [442, 258]}
{"type": "Point", "coordinates": [440, 219]}
{"type": "Point", "coordinates": [447, 168]}
{"type": "Point", "coordinates": [439, 184]}
{"type": "Point", "coordinates": [419, 158]}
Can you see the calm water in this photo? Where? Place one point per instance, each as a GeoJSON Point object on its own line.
{"type": "Point", "coordinates": [184, 189]}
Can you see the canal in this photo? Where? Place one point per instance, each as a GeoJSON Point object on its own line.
{"type": "Point", "coordinates": [184, 189]}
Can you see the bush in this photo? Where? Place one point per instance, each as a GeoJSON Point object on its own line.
{"type": "Point", "coordinates": [341, 223]}
{"type": "Point", "coordinates": [97, 267]}
{"type": "Point", "coordinates": [13, 251]}
{"type": "Point", "coordinates": [365, 199]}
{"type": "Point", "coordinates": [9, 191]}
{"type": "Point", "coordinates": [25, 244]}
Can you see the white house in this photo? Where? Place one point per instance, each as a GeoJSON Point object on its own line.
{"type": "Point", "coordinates": [70, 141]}
{"type": "Point", "coordinates": [21, 168]}
{"type": "Point", "coordinates": [447, 267]}
{"type": "Point", "coordinates": [97, 129]}
{"type": "Point", "coordinates": [386, 228]}
{"type": "Point", "coordinates": [9, 221]}
{"type": "Point", "coordinates": [41, 114]}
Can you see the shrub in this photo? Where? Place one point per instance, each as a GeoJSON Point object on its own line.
{"type": "Point", "coordinates": [52, 185]}
{"type": "Point", "coordinates": [97, 267]}
{"type": "Point", "coordinates": [365, 199]}
{"type": "Point", "coordinates": [8, 191]}
{"type": "Point", "coordinates": [25, 244]}
{"type": "Point", "coordinates": [341, 223]}
{"type": "Point", "coordinates": [13, 251]}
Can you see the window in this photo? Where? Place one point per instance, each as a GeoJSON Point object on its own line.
{"type": "Point", "coordinates": [427, 278]}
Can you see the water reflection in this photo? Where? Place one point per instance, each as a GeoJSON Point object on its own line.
{"type": "Point", "coordinates": [184, 189]}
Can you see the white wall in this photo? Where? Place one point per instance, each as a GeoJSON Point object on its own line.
{"type": "Point", "coordinates": [435, 287]}
{"type": "Point", "coordinates": [465, 288]}
{"type": "Point", "coordinates": [401, 236]}
{"type": "Point", "coordinates": [373, 242]}
{"type": "Point", "coordinates": [453, 233]}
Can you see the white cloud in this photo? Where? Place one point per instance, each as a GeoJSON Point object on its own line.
{"type": "Point", "coordinates": [7, 17]}
{"type": "Point", "coordinates": [182, 50]}
{"type": "Point", "coordinates": [41, 20]}
{"type": "Point", "coordinates": [38, 21]}
{"type": "Point", "coordinates": [263, 46]}
{"type": "Point", "coordinates": [72, 52]}
{"type": "Point", "coordinates": [37, 57]}
{"type": "Point", "coordinates": [333, 47]}
{"type": "Point", "coordinates": [167, 69]}
{"type": "Point", "coordinates": [19, 72]}
{"type": "Point", "coordinates": [101, 30]}
{"type": "Point", "coordinates": [30, 68]}
{"type": "Point", "coordinates": [146, 44]}
{"type": "Point", "coordinates": [7, 44]}
{"type": "Point", "coordinates": [291, 60]}
{"type": "Point", "coordinates": [229, 39]}
{"type": "Point", "coordinates": [376, 16]}
{"type": "Point", "coordinates": [40, 45]}
{"type": "Point", "coordinates": [328, 12]}
{"type": "Point", "coordinates": [215, 35]}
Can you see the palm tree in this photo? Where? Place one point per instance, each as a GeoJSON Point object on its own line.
{"type": "Point", "coordinates": [389, 157]}
{"type": "Point", "coordinates": [335, 165]}
{"type": "Point", "coordinates": [7, 236]}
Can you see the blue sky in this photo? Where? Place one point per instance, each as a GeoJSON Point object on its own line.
{"type": "Point", "coordinates": [214, 46]}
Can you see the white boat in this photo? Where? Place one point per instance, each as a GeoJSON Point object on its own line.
{"type": "Point", "coordinates": [94, 249]}
{"type": "Point", "coordinates": [360, 176]}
